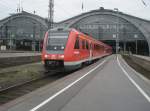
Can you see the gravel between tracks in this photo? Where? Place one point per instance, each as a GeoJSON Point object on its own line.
{"type": "Point", "coordinates": [20, 80]}
{"type": "Point", "coordinates": [139, 65]}
{"type": "Point", "coordinates": [15, 92]}
{"type": "Point", "coordinates": [20, 74]}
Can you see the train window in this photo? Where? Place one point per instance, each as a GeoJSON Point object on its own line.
{"type": "Point", "coordinates": [77, 46]}
{"type": "Point", "coordinates": [102, 47]}
{"type": "Point", "coordinates": [87, 45]}
{"type": "Point", "coordinates": [83, 44]}
{"type": "Point", "coordinates": [57, 41]}
{"type": "Point", "coordinates": [94, 47]}
{"type": "Point", "coordinates": [97, 47]}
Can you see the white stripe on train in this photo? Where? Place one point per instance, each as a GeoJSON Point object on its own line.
{"type": "Point", "coordinates": [81, 61]}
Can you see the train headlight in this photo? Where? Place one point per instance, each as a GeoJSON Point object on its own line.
{"type": "Point", "coordinates": [61, 56]}
{"type": "Point", "coordinates": [46, 56]}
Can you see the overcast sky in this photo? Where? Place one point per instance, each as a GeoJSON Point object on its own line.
{"type": "Point", "coordinates": [68, 8]}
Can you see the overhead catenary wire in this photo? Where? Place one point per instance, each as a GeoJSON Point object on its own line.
{"type": "Point", "coordinates": [64, 10]}
{"type": "Point", "coordinates": [144, 3]}
{"type": "Point", "coordinates": [6, 5]}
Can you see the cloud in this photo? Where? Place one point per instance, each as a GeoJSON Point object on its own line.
{"type": "Point", "coordinates": [68, 8]}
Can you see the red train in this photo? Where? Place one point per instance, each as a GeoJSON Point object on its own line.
{"type": "Point", "coordinates": [68, 49]}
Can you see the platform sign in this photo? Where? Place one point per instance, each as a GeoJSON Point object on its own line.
{"type": "Point", "coordinates": [3, 47]}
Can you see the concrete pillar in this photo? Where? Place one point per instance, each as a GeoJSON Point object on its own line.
{"type": "Point", "coordinates": [147, 37]}
{"type": "Point", "coordinates": [149, 46]}
{"type": "Point", "coordinates": [33, 45]}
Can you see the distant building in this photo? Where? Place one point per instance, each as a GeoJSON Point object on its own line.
{"type": "Point", "coordinates": [22, 31]}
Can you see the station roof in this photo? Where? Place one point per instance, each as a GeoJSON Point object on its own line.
{"type": "Point", "coordinates": [24, 14]}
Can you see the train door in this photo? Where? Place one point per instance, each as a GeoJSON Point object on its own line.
{"type": "Point", "coordinates": [91, 51]}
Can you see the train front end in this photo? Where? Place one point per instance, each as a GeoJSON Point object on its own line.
{"type": "Point", "coordinates": [53, 49]}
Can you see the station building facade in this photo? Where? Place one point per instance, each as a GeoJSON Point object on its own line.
{"type": "Point", "coordinates": [132, 33]}
{"type": "Point", "coordinates": [22, 31]}
{"type": "Point", "coordinates": [25, 31]}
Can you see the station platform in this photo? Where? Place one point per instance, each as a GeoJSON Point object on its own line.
{"type": "Point", "coordinates": [109, 90]}
{"type": "Point", "coordinates": [8, 59]}
{"type": "Point", "coordinates": [108, 85]}
{"type": "Point", "coordinates": [143, 57]}
{"type": "Point", "coordinates": [18, 54]}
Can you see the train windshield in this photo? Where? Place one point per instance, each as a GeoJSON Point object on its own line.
{"type": "Point", "coordinates": [57, 41]}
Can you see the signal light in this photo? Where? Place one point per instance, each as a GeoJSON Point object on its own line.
{"type": "Point", "coordinates": [46, 56]}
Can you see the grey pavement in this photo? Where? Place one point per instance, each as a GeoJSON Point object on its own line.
{"type": "Point", "coordinates": [110, 90]}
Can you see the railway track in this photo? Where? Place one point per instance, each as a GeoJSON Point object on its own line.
{"type": "Point", "coordinates": [11, 93]}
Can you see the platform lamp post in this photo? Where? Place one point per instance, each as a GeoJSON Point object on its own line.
{"type": "Point", "coordinates": [114, 37]}
{"type": "Point", "coordinates": [10, 33]}
{"type": "Point", "coordinates": [34, 39]}
{"type": "Point", "coordinates": [117, 31]}
{"type": "Point", "coordinates": [136, 44]}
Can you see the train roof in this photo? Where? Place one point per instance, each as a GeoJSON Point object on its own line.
{"type": "Point", "coordinates": [55, 30]}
